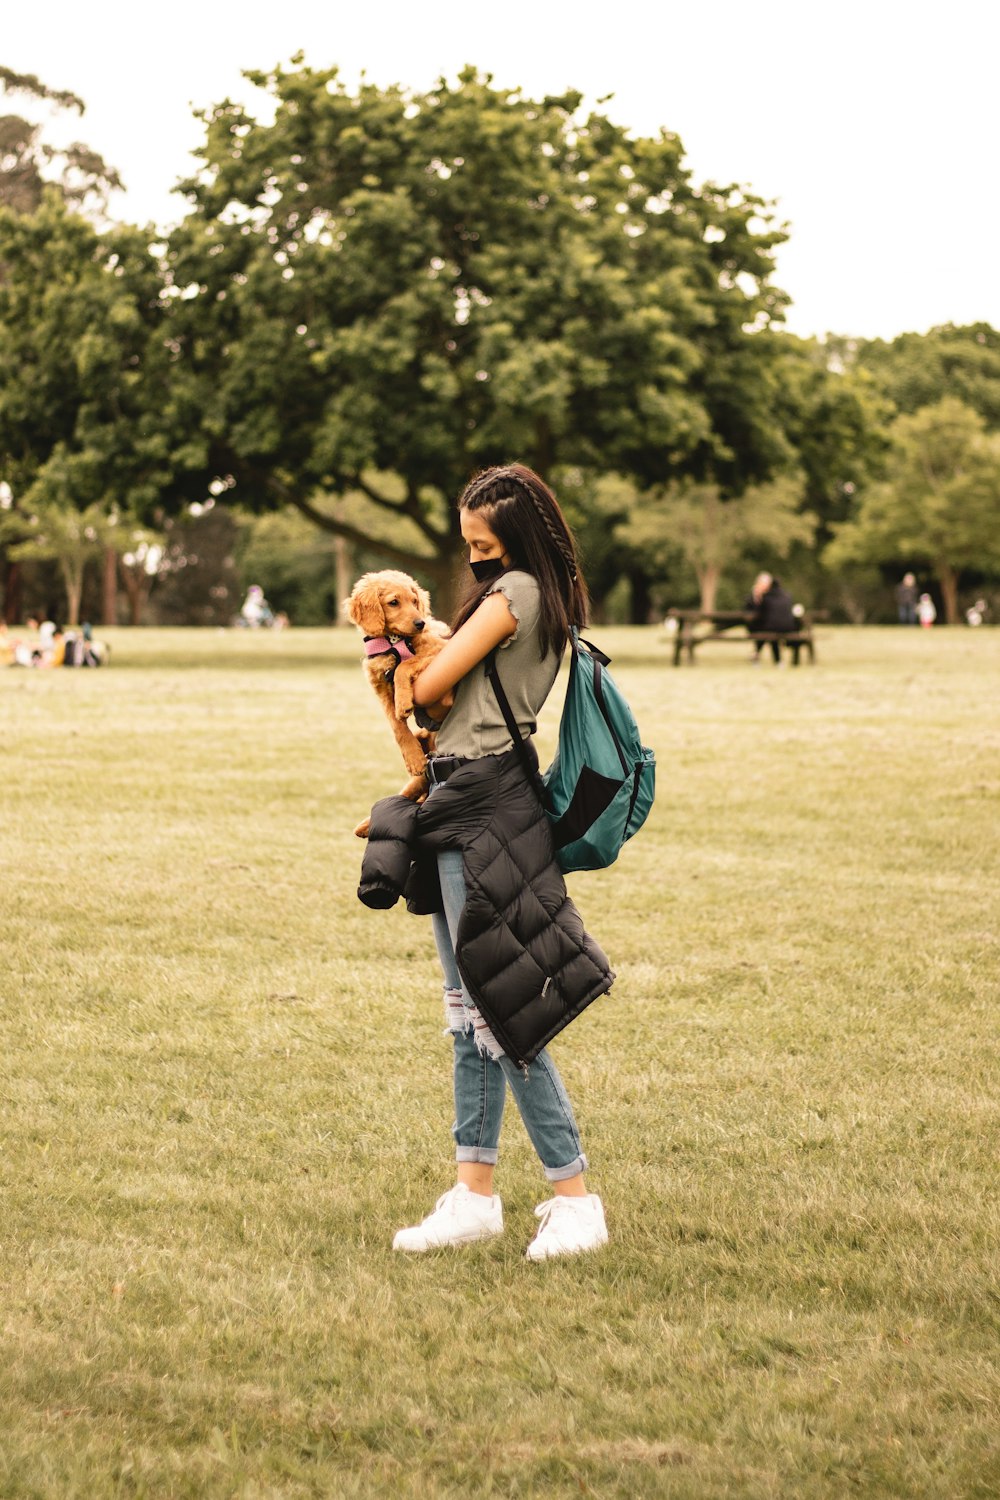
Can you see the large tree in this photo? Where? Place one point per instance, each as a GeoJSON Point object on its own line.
{"type": "Point", "coordinates": [57, 533]}
{"type": "Point", "coordinates": [693, 520]}
{"type": "Point", "coordinates": [939, 504]}
{"type": "Point", "coordinates": [89, 409]}
{"type": "Point", "coordinates": [30, 166]}
{"type": "Point", "coordinates": [408, 285]}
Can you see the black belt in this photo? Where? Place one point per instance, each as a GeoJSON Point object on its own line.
{"type": "Point", "coordinates": [440, 767]}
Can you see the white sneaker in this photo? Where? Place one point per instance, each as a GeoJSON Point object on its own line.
{"type": "Point", "coordinates": [569, 1225]}
{"type": "Point", "coordinates": [460, 1217]}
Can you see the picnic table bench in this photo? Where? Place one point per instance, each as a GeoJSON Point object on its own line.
{"type": "Point", "coordinates": [695, 628]}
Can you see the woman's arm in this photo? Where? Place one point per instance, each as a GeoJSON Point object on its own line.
{"type": "Point", "coordinates": [491, 624]}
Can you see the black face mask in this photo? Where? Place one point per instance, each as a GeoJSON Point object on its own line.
{"type": "Point", "coordinates": [490, 567]}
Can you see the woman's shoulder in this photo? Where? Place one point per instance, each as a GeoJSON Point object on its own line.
{"type": "Point", "coordinates": [517, 585]}
{"type": "Point", "coordinates": [524, 598]}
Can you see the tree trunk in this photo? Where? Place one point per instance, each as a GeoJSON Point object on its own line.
{"type": "Point", "coordinates": [136, 592]}
{"type": "Point", "coordinates": [708, 579]}
{"type": "Point", "coordinates": [342, 574]}
{"type": "Point", "coordinates": [13, 593]}
{"type": "Point", "coordinates": [109, 590]}
{"type": "Point", "coordinates": [948, 579]}
{"type": "Point", "coordinates": [641, 603]}
{"type": "Point", "coordinates": [544, 453]}
{"type": "Point", "coordinates": [852, 604]}
{"type": "Point", "coordinates": [73, 582]}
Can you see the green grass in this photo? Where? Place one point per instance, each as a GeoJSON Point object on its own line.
{"type": "Point", "coordinates": [224, 1087]}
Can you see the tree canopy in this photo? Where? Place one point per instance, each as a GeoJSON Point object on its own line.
{"type": "Point", "coordinates": [86, 400]}
{"type": "Point", "coordinates": [376, 292]}
{"type": "Point", "coordinates": [418, 285]}
{"type": "Point", "coordinates": [916, 370]}
{"type": "Point", "coordinates": [692, 519]}
{"type": "Point", "coordinates": [28, 163]}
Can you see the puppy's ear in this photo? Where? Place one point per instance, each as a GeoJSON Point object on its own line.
{"type": "Point", "coordinates": [364, 606]}
{"type": "Point", "coordinates": [424, 600]}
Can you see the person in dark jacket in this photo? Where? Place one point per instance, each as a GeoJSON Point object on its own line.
{"type": "Point", "coordinates": [773, 614]}
{"type": "Point", "coordinates": [907, 595]}
{"type": "Point", "coordinates": [517, 963]}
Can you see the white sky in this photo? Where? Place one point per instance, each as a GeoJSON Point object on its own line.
{"type": "Point", "coordinates": [875, 125]}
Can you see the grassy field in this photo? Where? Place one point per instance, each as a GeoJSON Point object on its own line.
{"type": "Point", "coordinates": [224, 1087]}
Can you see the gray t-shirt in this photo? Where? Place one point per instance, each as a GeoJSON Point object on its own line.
{"type": "Point", "coordinates": [475, 726]}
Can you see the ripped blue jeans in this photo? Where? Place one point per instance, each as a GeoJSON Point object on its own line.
{"type": "Point", "coordinates": [481, 1079]}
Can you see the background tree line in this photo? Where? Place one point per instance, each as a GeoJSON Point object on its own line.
{"type": "Point", "coordinates": [376, 293]}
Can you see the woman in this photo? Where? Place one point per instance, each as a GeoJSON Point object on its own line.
{"type": "Point", "coordinates": [526, 593]}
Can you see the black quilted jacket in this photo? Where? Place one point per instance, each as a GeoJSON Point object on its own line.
{"type": "Point", "coordinates": [522, 950]}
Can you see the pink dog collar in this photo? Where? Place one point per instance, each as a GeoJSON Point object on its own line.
{"type": "Point", "coordinates": [381, 645]}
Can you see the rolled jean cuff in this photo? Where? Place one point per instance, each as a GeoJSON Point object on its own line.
{"type": "Point", "coordinates": [488, 1155]}
{"type": "Point", "coordinates": [571, 1169]}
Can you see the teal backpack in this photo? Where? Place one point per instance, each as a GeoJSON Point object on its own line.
{"type": "Point", "coordinates": [599, 788]}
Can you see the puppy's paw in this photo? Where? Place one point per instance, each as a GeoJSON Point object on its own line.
{"type": "Point", "coordinates": [361, 832]}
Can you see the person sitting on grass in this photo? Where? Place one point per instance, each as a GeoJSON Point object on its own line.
{"type": "Point", "coordinates": [55, 655]}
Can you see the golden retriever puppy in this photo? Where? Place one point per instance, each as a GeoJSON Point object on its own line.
{"type": "Point", "coordinates": [401, 636]}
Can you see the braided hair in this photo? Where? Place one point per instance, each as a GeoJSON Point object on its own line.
{"type": "Point", "coordinates": [523, 513]}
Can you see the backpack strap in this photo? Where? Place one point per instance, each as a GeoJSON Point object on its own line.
{"type": "Point", "coordinates": [595, 651]}
{"type": "Point", "coordinates": [528, 759]}
{"type": "Point", "coordinates": [600, 661]}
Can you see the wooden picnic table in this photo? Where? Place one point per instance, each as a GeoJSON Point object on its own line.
{"type": "Point", "coordinates": [697, 627]}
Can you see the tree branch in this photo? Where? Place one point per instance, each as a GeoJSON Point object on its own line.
{"type": "Point", "coordinates": [405, 556]}
{"type": "Point", "coordinates": [355, 482]}
{"type": "Point", "coordinates": [410, 507]}
{"type": "Point", "coordinates": [28, 83]}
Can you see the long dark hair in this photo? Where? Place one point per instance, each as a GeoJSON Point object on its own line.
{"type": "Point", "coordinates": [522, 512]}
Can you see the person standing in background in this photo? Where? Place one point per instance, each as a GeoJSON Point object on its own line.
{"type": "Point", "coordinates": [906, 600]}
